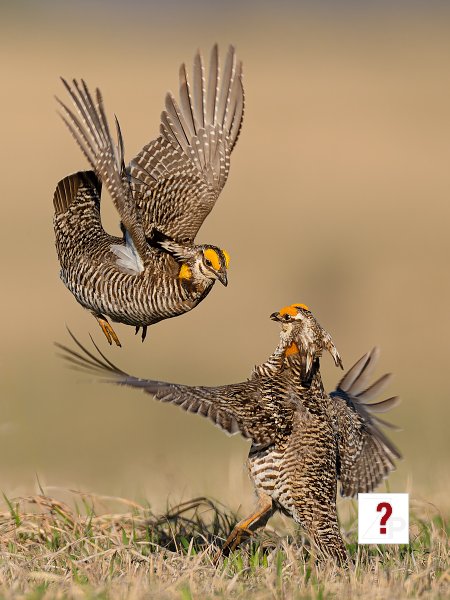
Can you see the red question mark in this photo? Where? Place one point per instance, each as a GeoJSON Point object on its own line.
{"type": "Point", "coordinates": [385, 517]}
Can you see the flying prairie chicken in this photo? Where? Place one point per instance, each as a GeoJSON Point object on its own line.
{"type": "Point", "coordinates": [302, 439]}
{"type": "Point", "coordinates": [155, 271]}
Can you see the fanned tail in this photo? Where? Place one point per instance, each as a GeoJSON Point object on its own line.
{"type": "Point", "coordinates": [67, 190]}
{"type": "Point", "coordinates": [355, 385]}
{"type": "Point", "coordinates": [366, 455]}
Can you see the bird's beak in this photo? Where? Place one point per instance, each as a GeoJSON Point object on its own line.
{"type": "Point", "coordinates": [222, 277]}
{"type": "Point", "coordinates": [275, 316]}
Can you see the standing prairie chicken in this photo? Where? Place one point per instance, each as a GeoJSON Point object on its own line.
{"type": "Point", "coordinates": [155, 271]}
{"type": "Point", "coordinates": [302, 439]}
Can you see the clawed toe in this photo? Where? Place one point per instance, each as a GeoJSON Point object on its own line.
{"type": "Point", "coordinates": [107, 329]}
{"type": "Point", "coordinates": [144, 331]}
{"type": "Point", "coordinates": [232, 542]}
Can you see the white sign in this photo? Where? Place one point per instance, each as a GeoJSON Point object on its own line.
{"type": "Point", "coordinates": [383, 518]}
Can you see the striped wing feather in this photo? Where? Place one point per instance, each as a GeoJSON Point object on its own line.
{"type": "Point", "coordinates": [89, 126]}
{"type": "Point", "coordinates": [177, 178]}
{"type": "Point", "coordinates": [366, 455]}
{"type": "Point", "coordinates": [230, 407]}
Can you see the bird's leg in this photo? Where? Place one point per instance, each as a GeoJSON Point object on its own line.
{"type": "Point", "coordinates": [107, 329]}
{"type": "Point", "coordinates": [247, 526]}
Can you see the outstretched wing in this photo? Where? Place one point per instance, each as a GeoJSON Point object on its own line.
{"type": "Point", "coordinates": [366, 455]}
{"type": "Point", "coordinates": [90, 129]}
{"type": "Point", "coordinates": [236, 408]}
{"type": "Point", "coordinates": [177, 178]}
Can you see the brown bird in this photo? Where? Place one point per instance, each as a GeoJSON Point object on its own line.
{"type": "Point", "coordinates": [155, 271]}
{"type": "Point", "coordinates": [303, 440]}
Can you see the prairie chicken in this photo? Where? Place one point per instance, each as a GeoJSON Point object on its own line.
{"type": "Point", "coordinates": [155, 271]}
{"type": "Point", "coordinates": [302, 439]}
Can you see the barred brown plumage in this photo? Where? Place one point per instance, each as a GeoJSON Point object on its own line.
{"type": "Point", "coordinates": [303, 440]}
{"type": "Point", "coordinates": [155, 271]}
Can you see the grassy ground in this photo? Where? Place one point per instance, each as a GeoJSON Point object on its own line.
{"type": "Point", "coordinates": [52, 550]}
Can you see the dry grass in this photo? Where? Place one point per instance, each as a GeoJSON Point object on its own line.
{"type": "Point", "coordinates": [52, 550]}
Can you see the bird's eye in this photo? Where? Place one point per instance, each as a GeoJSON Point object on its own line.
{"type": "Point", "coordinates": [208, 263]}
{"type": "Point", "coordinates": [287, 317]}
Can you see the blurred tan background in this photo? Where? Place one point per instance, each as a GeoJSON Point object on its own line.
{"type": "Point", "coordinates": [338, 196]}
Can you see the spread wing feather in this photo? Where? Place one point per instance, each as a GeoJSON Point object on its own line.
{"type": "Point", "coordinates": [177, 178]}
{"type": "Point", "coordinates": [230, 407]}
{"type": "Point", "coordinates": [89, 126]}
{"type": "Point", "coordinates": [366, 455]}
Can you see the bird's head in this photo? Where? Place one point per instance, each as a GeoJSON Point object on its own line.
{"type": "Point", "coordinates": [208, 262]}
{"type": "Point", "coordinates": [290, 314]}
{"type": "Point", "coordinates": [197, 263]}
{"type": "Point", "coordinates": [303, 334]}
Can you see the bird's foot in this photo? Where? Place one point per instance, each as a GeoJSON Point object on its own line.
{"type": "Point", "coordinates": [144, 331]}
{"type": "Point", "coordinates": [247, 526]}
{"type": "Point", "coordinates": [108, 330]}
{"type": "Point", "coordinates": [232, 542]}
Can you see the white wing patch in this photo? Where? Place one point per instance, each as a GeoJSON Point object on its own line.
{"type": "Point", "coordinates": [128, 259]}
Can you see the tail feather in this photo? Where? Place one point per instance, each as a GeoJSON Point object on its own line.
{"type": "Point", "coordinates": [383, 405]}
{"type": "Point", "coordinates": [356, 373]}
{"type": "Point", "coordinates": [366, 455]}
{"type": "Point", "coordinates": [67, 190]}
